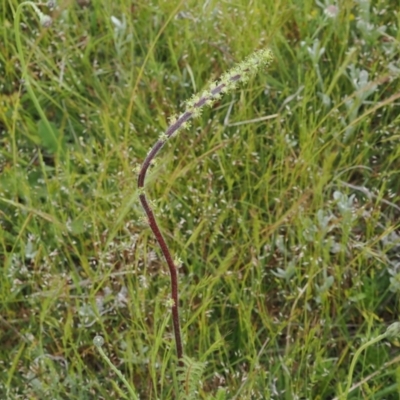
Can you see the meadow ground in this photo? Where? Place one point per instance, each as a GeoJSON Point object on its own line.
{"type": "Point", "coordinates": [282, 200]}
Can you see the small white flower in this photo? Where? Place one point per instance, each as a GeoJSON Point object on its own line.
{"type": "Point", "coordinates": [98, 341]}
{"type": "Point", "coordinates": [170, 303]}
{"type": "Point", "coordinates": [163, 137]}
{"type": "Point", "coordinates": [51, 4]}
{"type": "Point", "coordinates": [331, 11]}
{"type": "Point", "coordinates": [45, 20]}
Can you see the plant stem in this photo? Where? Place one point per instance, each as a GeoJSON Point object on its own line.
{"type": "Point", "coordinates": [228, 82]}
{"type": "Point", "coordinates": [172, 271]}
{"type": "Point", "coordinates": [354, 361]}
{"type": "Point", "coordinates": [392, 331]}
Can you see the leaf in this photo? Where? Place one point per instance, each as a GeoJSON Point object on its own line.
{"type": "Point", "coordinates": [78, 226]}
{"type": "Point", "coordinates": [190, 375]}
{"type": "Point", "coordinates": [50, 137]}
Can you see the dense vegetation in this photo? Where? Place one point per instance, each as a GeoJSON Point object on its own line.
{"type": "Point", "coordinates": [282, 201]}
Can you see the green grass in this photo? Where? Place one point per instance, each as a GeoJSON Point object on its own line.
{"type": "Point", "coordinates": [282, 201]}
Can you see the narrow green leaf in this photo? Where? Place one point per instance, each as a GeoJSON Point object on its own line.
{"type": "Point", "coordinates": [50, 139]}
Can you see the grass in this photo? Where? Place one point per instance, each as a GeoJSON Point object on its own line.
{"type": "Point", "coordinates": [282, 201]}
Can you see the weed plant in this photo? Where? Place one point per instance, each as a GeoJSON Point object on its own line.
{"type": "Point", "coordinates": [282, 201]}
{"type": "Point", "coordinates": [227, 83]}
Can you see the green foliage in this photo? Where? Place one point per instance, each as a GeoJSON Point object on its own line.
{"type": "Point", "coordinates": [282, 201]}
{"type": "Point", "coordinates": [50, 137]}
{"type": "Point", "coordinates": [189, 377]}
